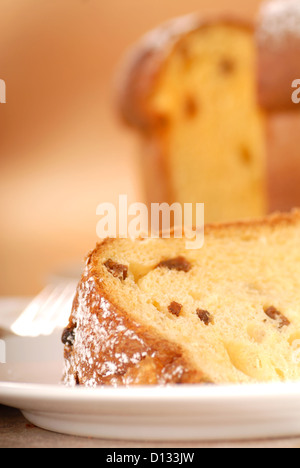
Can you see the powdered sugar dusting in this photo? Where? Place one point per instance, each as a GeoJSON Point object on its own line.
{"type": "Point", "coordinates": [161, 40]}
{"type": "Point", "coordinates": [279, 21]}
{"type": "Point", "coordinates": [110, 349]}
{"type": "Point", "coordinates": [96, 358]}
{"type": "Point", "coordinates": [170, 31]}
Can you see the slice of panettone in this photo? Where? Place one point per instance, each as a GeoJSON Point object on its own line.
{"type": "Point", "coordinates": [152, 312]}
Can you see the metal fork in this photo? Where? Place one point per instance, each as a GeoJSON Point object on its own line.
{"type": "Point", "coordinates": [49, 310]}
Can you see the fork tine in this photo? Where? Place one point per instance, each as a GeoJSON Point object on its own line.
{"type": "Point", "coordinates": [46, 311]}
{"type": "Point", "coordinates": [57, 312]}
{"type": "Point", "coordinates": [62, 317]}
{"type": "Point", "coordinates": [46, 307]}
{"type": "Point", "coordinates": [22, 325]}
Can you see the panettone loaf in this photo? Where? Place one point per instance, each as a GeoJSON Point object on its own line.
{"type": "Point", "coordinates": [151, 312]}
{"type": "Point", "coordinates": [189, 88]}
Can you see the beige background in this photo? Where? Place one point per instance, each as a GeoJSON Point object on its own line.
{"type": "Point", "coordinates": [62, 148]}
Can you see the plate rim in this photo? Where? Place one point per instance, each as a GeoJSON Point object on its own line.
{"type": "Point", "coordinates": [169, 393]}
{"type": "Point", "coordinates": [158, 413]}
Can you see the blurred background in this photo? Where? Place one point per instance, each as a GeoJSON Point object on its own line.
{"type": "Point", "coordinates": [63, 149]}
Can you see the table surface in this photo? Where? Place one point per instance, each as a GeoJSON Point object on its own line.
{"type": "Point", "coordinates": [16, 432]}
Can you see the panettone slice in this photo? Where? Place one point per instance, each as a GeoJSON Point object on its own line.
{"type": "Point", "coordinates": [151, 312]}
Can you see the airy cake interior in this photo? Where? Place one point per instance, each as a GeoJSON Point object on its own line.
{"type": "Point", "coordinates": [208, 125]}
{"type": "Point", "coordinates": [233, 306]}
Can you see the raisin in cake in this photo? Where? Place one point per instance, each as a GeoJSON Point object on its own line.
{"type": "Point", "coordinates": [151, 312]}
{"type": "Point", "coordinates": [189, 89]}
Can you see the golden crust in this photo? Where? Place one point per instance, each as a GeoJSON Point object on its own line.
{"type": "Point", "coordinates": [272, 221]}
{"type": "Point", "coordinates": [146, 61]}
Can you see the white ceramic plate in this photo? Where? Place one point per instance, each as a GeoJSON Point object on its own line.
{"type": "Point", "coordinates": [30, 382]}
